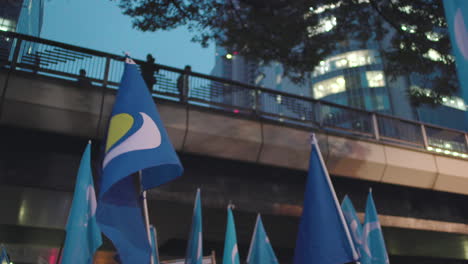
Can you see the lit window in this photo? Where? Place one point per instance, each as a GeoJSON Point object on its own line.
{"type": "Point", "coordinates": [278, 79]}
{"type": "Point", "coordinates": [350, 59]}
{"type": "Point", "coordinates": [453, 102]}
{"type": "Point", "coordinates": [278, 99]}
{"type": "Point", "coordinates": [327, 87]}
{"type": "Point", "coordinates": [433, 36]}
{"type": "Point", "coordinates": [375, 78]}
{"type": "Point", "coordinates": [7, 25]}
{"type": "Point", "coordinates": [409, 28]}
{"type": "Point", "coordinates": [325, 24]}
{"type": "Point", "coordinates": [433, 55]}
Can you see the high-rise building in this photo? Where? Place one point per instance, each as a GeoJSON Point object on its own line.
{"type": "Point", "coordinates": [352, 76]}
{"type": "Point", "coordinates": [22, 16]}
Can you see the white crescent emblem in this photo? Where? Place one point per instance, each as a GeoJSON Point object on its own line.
{"type": "Point", "coordinates": [199, 251]}
{"type": "Point", "coordinates": [91, 197]}
{"type": "Point", "coordinates": [234, 253]}
{"type": "Point", "coordinates": [366, 230]}
{"type": "Point", "coordinates": [147, 137]}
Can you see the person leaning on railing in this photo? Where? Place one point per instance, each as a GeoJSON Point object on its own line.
{"type": "Point", "coordinates": [84, 81]}
{"type": "Point", "coordinates": [147, 72]}
{"type": "Point", "coordinates": [183, 83]}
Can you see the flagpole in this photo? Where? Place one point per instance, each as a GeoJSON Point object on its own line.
{"type": "Point", "coordinates": [146, 214]}
{"type": "Point", "coordinates": [337, 204]}
{"type": "Point", "coordinates": [253, 237]}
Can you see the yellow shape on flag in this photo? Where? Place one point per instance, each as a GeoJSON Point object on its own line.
{"type": "Point", "coordinates": [119, 126]}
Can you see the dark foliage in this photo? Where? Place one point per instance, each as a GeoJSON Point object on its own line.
{"type": "Point", "coordinates": [291, 32]}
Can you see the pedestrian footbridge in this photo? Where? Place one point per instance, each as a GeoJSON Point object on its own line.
{"type": "Point", "coordinates": [244, 144]}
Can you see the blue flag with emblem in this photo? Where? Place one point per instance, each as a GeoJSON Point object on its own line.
{"type": "Point", "coordinates": [4, 259]}
{"type": "Point", "coordinates": [354, 224]}
{"type": "Point", "coordinates": [83, 234]}
{"type": "Point", "coordinates": [136, 141]}
{"type": "Point", "coordinates": [195, 241]}
{"type": "Point", "coordinates": [261, 251]}
{"type": "Point", "coordinates": [456, 14]}
{"type": "Point", "coordinates": [323, 235]}
{"type": "Point", "coordinates": [231, 253]}
{"type": "Point", "coordinates": [373, 248]}
{"type": "Point", "coordinates": [154, 245]}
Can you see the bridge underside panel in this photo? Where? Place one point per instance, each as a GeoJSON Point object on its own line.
{"type": "Point", "coordinates": [171, 221]}
{"type": "Point", "coordinates": [60, 106]}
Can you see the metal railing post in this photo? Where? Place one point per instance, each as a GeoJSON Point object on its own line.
{"type": "Point", "coordinates": [424, 135]}
{"type": "Point", "coordinates": [317, 113]}
{"type": "Point", "coordinates": [14, 60]}
{"type": "Point", "coordinates": [466, 143]}
{"type": "Point", "coordinates": [103, 95]}
{"type": "Point", "coordinates": [257, 102]}
{"type": "Point", "coordinates": [375, 125]}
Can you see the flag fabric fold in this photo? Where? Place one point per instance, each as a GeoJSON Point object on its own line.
{"type": "Point", "coordinates": [231, 252]}
{"type": "Point", "coordinates": [456, 13]}
{"type": "Point", "coordinates": [136, 141]}
{"type": "Point", "coordinates": [195, 241]}
{"type": "Point", "coordinates": [261, 251]}
{"type": "Point", "coordinates": [323, 235]}
{"type": "Point", "coordinates": [373, 248]}
{"type": "Point", "coordinates": [354, 224]}
{"type": "Point", "coordinates": [83, 235]}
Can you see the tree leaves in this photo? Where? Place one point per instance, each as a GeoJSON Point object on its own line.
{"type": "Point", "coordinates": [411, 34]}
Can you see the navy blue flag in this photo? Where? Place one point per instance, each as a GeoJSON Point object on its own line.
{"type": "Point", "coordinates": [323, 235]}
{"type": "Point", "coordinates": [136, 140]}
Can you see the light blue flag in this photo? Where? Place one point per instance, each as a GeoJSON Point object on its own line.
{"type": "Point", "coordinates": [354, 224]}
{"type": "Point", "coordinates": [260, 251]}
{"type": "Point", "coordinates": [83, 234]}
{"type": "Point", "coordinates": [456, 13]}
{"type": "Point", "coordinates": [154, 245]}
{"type": "Point", "coordinates": [136, 140]}
{"type": "Point", "coordinates": [373, 248]}
{"type": "Point", "coordinates": [231, 253]}
{"type": "Point", "coordinates": [195, 241]}
{"type": "Point", "coordinates": [4, 259]}
{"type": "Point", "coordinates": [323, 235]}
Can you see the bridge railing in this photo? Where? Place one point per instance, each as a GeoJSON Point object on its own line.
{"type": "Point", "coordinates": [29, 54]}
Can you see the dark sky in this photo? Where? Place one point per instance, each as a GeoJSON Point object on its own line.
{"type": "Point", "coordinates": [100, 25]}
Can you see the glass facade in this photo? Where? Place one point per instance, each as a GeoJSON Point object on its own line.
{"type": "Point", "coordinates": [345, 60]}
{"type": "Point", "coordinates": [22, 16]}
{"type": "Point", "coordinates": [353, 78]}
{"type": "Point", "coordinates": [31, 17]}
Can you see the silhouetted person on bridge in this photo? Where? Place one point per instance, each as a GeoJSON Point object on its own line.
{"type": "Point", "coordinates": [183, 83]}
{"type": "Point", "coordinates": [147, 72]}
{"type": "Point", "coordinates": [84, 81]}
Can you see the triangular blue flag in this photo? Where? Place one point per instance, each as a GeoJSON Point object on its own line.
{"type": "Point", "coordinates": [83, 234]}
{"type": "Point", "coordinates": [195, 242]}
{"type": "Point", "coordinates": [323, 235]}
{"type": "Point", "coordinates": [456, 13]}
{"type": "Point", "coordinates": [154, 245]}
{"type": "Point", "coordinates": [261, 251]}
{"type": "Point", "coordinates": [4, 259]}
{"type": "Point", "coordinates": [354, 224]}
{"type": "Point", "coordinates": [231, 252]}
{"type": "Point", "coordinates": [373, 248]}
{"type": "Point", "coordinates": [136, 141]}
